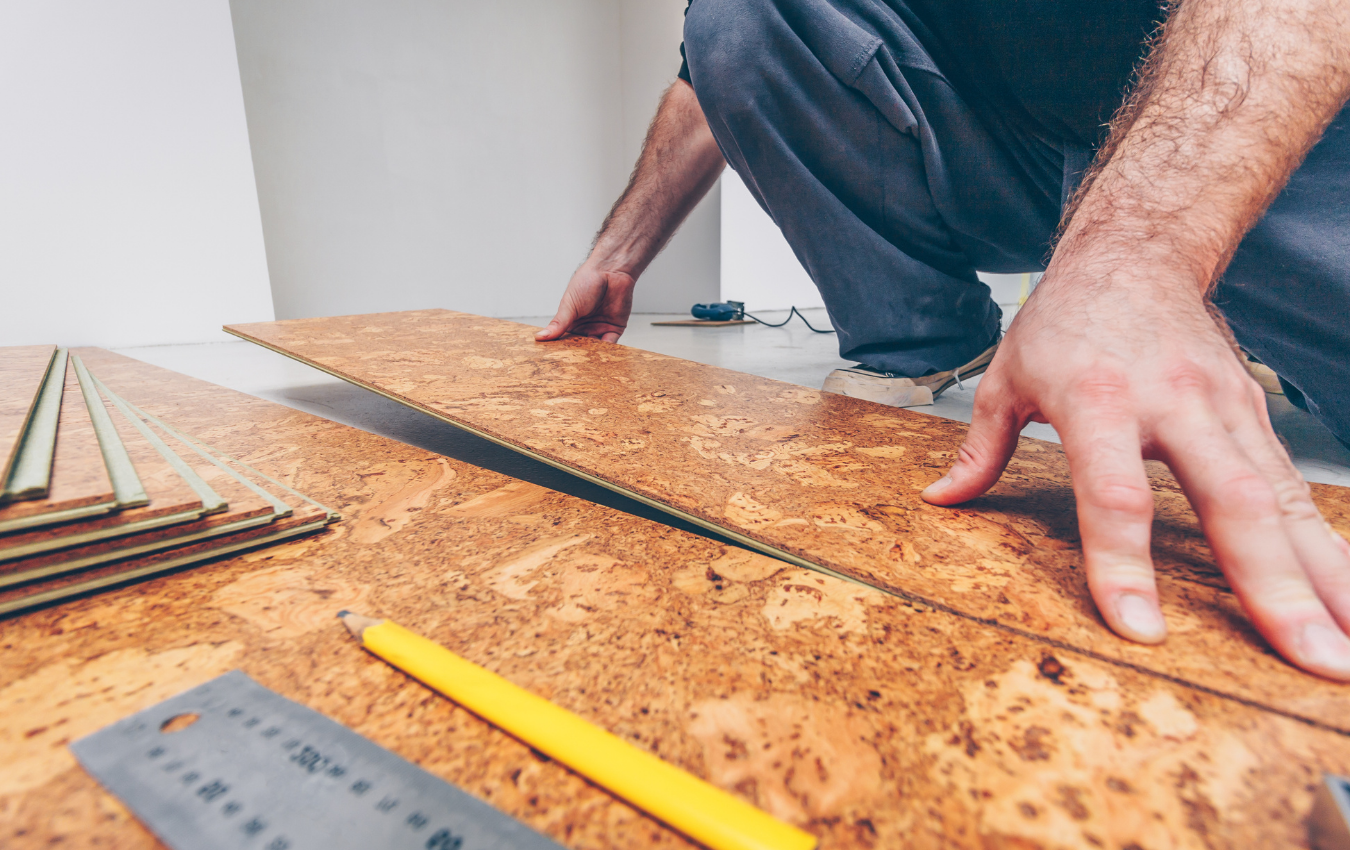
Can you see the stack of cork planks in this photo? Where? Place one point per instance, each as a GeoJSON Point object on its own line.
{"type": "Point", "coordinates": [98, 492]}
{"type": "Point", "coordinates": [823, 481]}
{"type": "Point", "coordinates": [78, 482]}
{"type": "Point", "coordinates": [868, 719]}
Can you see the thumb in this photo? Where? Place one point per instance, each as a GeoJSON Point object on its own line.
{"type": "Point", "coordinates": [559, 325]}
{"type": "Point", "coordinates": [984, 455]}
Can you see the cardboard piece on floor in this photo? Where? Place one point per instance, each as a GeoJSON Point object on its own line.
{"type": "Point", "coordinates": [23, 370]}
{"type": "Point", "coordinates": [80, 486]}
{"type": "Point", "coordinates": [707, 323]}
{"type": "Point", "coordinates": [866, 719]}
{"type": "Point", "coordinates": [821, 480]}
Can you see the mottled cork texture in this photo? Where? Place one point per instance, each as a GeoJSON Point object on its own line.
{"type": "Point", "coordinates": [869, 720]}
{"type": "Point", "coordinates": [832, 480]}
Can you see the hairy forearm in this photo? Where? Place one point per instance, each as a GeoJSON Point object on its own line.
{"type": "Point", "coordinates": [680, 162]}
{"type": "Point", "coordinates": [1230, 101]}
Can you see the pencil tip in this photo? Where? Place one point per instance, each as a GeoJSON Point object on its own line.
{"type": "Point", "coordinates": [357, 623]}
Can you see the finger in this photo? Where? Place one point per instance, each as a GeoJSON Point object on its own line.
{"type": "Point", "coordinates": [610, 337]}
{"type": "Point", "coordinates": [553, 330]}
{"type": "Point", "coordinates": [1321, 552]}
{"type": "Point", "coordinates": [559, 325]}
{"type": "Point", "coordinates": [1240, 512]}
{"type": "Point", "coordinates": [989, 445]}
{"type": "Point", "coordinates": [1115, 520]}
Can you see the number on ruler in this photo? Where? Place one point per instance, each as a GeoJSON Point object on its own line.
{"type": "Point", "coordinates": [444, 839]}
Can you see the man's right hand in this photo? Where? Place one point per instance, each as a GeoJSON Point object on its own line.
{"type": "Point", "coordinates": [1118, 350]}
{"type": "Point", "coordinates": [596, 304]}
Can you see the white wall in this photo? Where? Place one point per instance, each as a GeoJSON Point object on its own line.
{"type": "Point", "coordinates": [688, 271]}
{"type": "Point", "coordinates": [758, 267]}
{"type": "Point", "coordinates": [429, 153]}
{"type": "Point", "coordinates": [128, 213]}
{"type": "Point", "coordinates": [454, 153]}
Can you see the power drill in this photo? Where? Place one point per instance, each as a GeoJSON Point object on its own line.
{"type": "Point", "coordinates": [722, 311]}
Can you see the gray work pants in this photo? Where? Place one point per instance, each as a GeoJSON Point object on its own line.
{"type": "Point", "coordinates": [893, 190]}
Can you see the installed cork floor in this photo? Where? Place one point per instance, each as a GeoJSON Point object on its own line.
{"type": "Point", "coordinates": [869, 720]}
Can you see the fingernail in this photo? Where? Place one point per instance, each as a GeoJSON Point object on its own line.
{"type": "Point", "coordinates": [1323, 647]}
{"type": "Point", "coordinates": [938, 486]}
{"type": "Point", "coordinates": [1142, 617]}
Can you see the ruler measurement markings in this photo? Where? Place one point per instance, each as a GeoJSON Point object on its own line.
{"type": "Point", "coordinates": [257, 771]}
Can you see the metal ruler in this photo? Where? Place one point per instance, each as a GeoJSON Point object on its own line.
{"type": "Point", "coordinates": [256, 771]}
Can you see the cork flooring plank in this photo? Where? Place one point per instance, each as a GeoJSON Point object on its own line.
{"type": "Point", "coordinates": [30, 475]}
{"type": "Point", "coordinates": [870, 720]}
{"type": "Point", "coordinates": [127, 486]}
{"type": "Point", "coordinates": [23, 368]}
{"type": "Point", "coordinates": [821, 480]}
{"type": "Point", "coordinates": [80, 486]}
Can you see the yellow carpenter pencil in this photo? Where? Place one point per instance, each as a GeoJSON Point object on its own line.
{"type": "Point", "coordinates": [706, 814]}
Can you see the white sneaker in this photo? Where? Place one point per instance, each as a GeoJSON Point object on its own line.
{"type": "Point", "coordinates": [888, 388]}
{"type": "Point", "coordinates": [1264, 375]}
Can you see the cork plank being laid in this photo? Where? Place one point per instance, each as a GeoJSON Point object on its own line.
{"type": "Point", "coordinates": [819, 479]}
{"type": "Point", "coordinates": [22, 371]}
{"type": "Point", "coordinates": [866, 719]}
{"type": "Point", "coordinates": [80, 486]}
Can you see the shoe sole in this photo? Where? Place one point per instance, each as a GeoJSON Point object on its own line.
{"type": "Point", "coordinates": [1266, 377]}
{"type": "Point", "coordinates": [975, 371]}
{"type": "Point", "coordinates": [880, 391]}
{"type": "Point", "coordinates": [888, 391]}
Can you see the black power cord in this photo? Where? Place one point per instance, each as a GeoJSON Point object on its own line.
{"type": "Point", "coordinates": [732, 310]}
{"type": "Point", "coordinates": [791, 312]}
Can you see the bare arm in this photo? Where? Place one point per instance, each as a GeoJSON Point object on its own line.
{"type": "Point", "coordinates": [680, 162]}
{"type": "Point", "coordinates": [1118, 348]}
